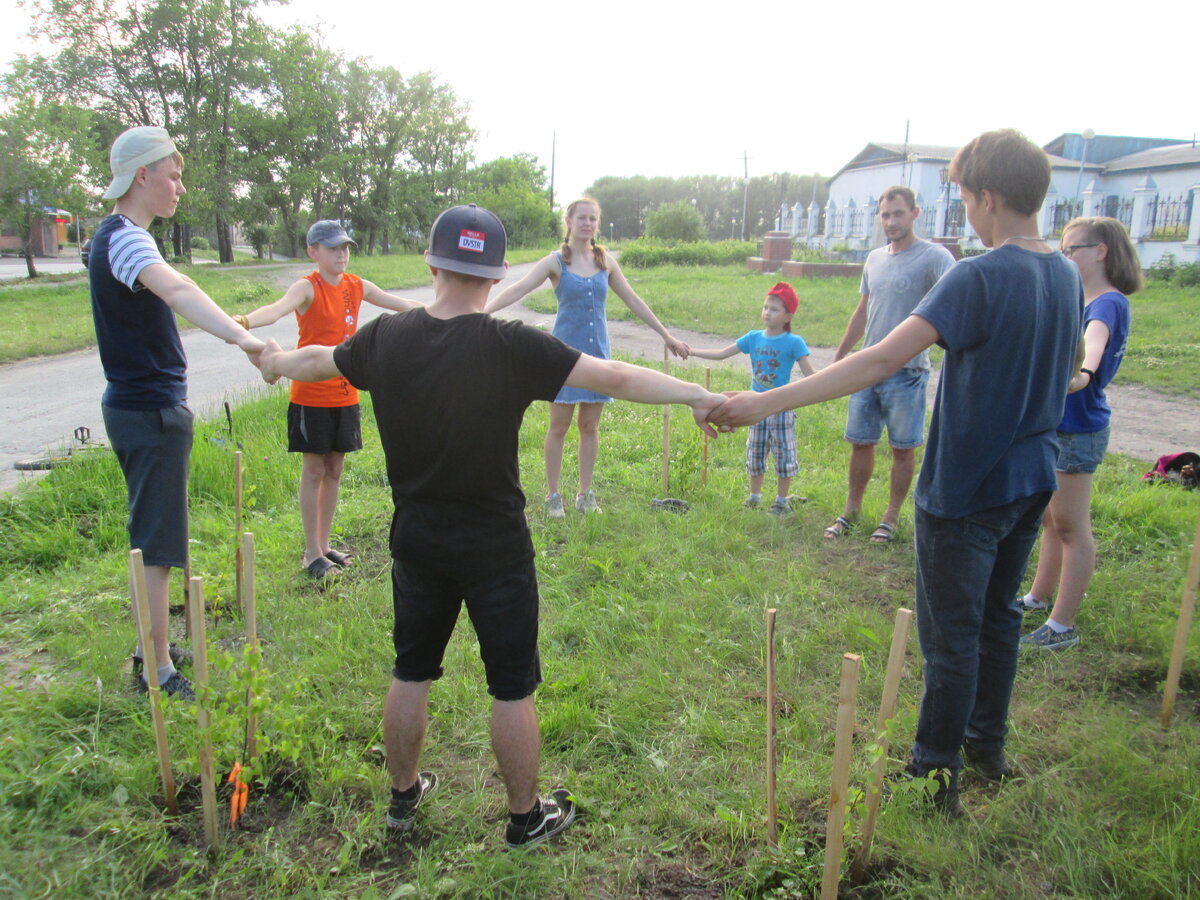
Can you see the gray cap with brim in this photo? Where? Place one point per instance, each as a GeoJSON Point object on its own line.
{"type": "Point", "coordinates": [469, 240]}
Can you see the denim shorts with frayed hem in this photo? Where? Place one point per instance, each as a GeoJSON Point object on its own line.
{"type": "Point", "coordinates": [1081, 453]}
{"type": "Point", "coordinates": [897, 402]}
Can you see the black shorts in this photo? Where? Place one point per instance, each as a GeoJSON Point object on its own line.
{"type": "Point", "coordinates": [324, 429]}
{"type": "Point", "coordinates": [504, 614]}
{"type": "Point", "coordinates": [153, 447]}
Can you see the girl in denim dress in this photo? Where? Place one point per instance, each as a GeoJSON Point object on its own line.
{"type": "Point", "coordinates": [581, 273]}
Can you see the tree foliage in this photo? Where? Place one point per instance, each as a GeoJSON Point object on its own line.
{"type": "Point", "coordinates": [275, 128]}
{"type": "Point", "coordinates": [627, 201]}
{"type": "Point", "coordinates": [514, 188]}
{"type": "Point", "coordinates": [677, 222]}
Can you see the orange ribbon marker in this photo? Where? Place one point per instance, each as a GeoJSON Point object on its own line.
{"type": "Point", "coordinates": [241, 791]}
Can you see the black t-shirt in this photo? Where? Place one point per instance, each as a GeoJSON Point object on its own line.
{"type": "Point", "coordinates": [449, 396]}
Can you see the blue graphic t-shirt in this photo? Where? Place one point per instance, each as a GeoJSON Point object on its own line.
{"type": "Point", "coordinates": [772, 358]}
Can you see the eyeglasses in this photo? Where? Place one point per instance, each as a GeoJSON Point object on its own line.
{"type": "Point", "coordinates": [1069, 251]}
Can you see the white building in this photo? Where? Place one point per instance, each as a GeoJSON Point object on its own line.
{"type": "Point", "coordinates": [1150, 184]}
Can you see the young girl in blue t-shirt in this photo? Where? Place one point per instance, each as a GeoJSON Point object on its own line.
{"type": "Point", "coordinates": [773, 351]}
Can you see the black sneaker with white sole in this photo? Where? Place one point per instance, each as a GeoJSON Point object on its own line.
{"type": "Point", "coordinates": [551, 816]}
{"type": "Point", "coordinates": [402, 812]}
{"type": "Point", "coordinates": [179, 656]}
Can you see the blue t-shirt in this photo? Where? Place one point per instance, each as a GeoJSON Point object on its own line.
{"type": "Point", "coordinates": [1009, 321]}
{"type": "Point", "coordinates": [772, 358]}
{"type": "Point", "coordinates": [1087, 410]}
{"type": "Point", "coordinates": [136, 333]}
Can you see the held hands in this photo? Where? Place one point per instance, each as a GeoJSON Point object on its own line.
{"type": "Point", "coordinates": [265, 359]}
{"type": "Point", "coordinates": [740, 408]}
{"type": "Point", "coordinates": [702, 412]}
{"type": "Point", "coordinates": [679, 348]}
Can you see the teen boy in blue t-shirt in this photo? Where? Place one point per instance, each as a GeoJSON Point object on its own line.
{"type": "Point", "coordinates": [1009, 322]}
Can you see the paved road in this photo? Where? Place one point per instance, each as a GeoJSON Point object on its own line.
{"type": "Point", "coordinates": [42, 401]}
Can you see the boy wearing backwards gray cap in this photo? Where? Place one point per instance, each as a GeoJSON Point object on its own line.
{"type": "Point", "coordinates": [450, 386]}
{"type": "Point", "coordinates": [324, 421]}
{"type": "Point", "coordinates": [135, 297]}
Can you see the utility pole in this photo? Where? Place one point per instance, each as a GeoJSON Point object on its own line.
{"type": "Point", "coordinates": [746, 192]}
{"type": "Point", "coordinates": [553, 148]}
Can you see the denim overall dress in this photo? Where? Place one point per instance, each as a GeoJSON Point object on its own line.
{"type": "Point", "coordinates": [581, 323]}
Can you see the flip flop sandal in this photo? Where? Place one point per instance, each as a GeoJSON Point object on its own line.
{"type": "Point", "coordinates": [883, 534]}
{"type": "Point", "coordinates": [841, 525]}
{"type": "Point", "coordinates": [338, 558]}
{"type": "Point", "coordinates": [320, 568]}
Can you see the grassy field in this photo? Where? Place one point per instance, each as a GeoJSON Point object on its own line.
{"type": "Point", "coordinates": [652, 710]}
{"type": "Point", "coordinates": [57, 317]}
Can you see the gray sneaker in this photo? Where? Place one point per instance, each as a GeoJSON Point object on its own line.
{"type": "Point", "coordinates": [587, 503]}
{"type": "Point", "coordinates": [176, 686]}
{"type": "Point", "coordinates": [781, 507]}
{"type": "Point", "coordinates": [1046, 638]}
{"type": "Point", "coordinates": [752, 501]}
{"type": "Point", "coordinates": [554, 507]}
{"type": "Point", "coordinates": [1030, 603]}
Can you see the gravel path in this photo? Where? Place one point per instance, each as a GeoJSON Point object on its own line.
{"type": "Point", "coordinates": [43, 400]}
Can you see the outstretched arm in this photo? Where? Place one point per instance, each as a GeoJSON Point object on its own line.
{"type": "Point", "coordinates": [621, 287]}
{"type": "Point", "coordinates": [311, 363]}
{"type": "Point", "coordinates": [532, 280]}
{"type": "Point", "coordinates": [629, 382]}
{"type": "Point", "coordinates": [851, 374]}
{"type": "Point", "coordinates": [372, 293]}
{"type": "Point", "coordinates": [296, 297]}
{"type": "Point", "coordinates": [723, 353]}
{"type": "Point", "coordinates": [186, 298]}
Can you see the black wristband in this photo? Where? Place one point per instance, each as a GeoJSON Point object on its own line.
{"type": "Point", "coordinates": [1090, 374]}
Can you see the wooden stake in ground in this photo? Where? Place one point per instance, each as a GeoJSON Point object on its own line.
{"type": "Point", "coordinates": [1186, 608]}
{"type": "Point", "coordinates": [187, 595]}
{"type": "Point", "coordinates": [141, 606]}
{"type": "Point", "coordinates": [237, 527]}
{"type": "Point", "coordinates": [704, 434]}
{"type": "Point", "coordinates": [666, 473]}
{"type": "Point", "coordinates": [251, 645]}
{"type": "Point", "coordinates": [772, 805]}
{"type": "Point", "coordinates": [887, 708]}
{"type": "Point", "coordinates": [847, 697]}
{"type": "Point", "coordinates": [208, 790]}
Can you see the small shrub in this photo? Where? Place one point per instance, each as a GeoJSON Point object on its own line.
{"type": "Point", "coordinates": [200, 242]}
{"type": "Point", "coordinates": [679, 221]}
{"type": "Point", "coordinates": [1164, 268]}
{"type": "Point", "coordinates": [1187, 275]}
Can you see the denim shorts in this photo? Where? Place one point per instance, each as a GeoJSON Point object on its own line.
{"type": "Point", "coordinates": [1080, 453]}
{"type": "Point", "coordinates": [897, 402]}
{"type": "Point", "coordinates": [503, 611]}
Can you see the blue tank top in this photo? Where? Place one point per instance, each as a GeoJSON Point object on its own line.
{"type": "Point", "coordinates": [581, 323]}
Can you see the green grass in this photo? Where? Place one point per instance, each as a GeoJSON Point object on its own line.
{"type": "Point", "coordinates": [652, 710]}
{"type": "Point", "coordinates": [57, 318]}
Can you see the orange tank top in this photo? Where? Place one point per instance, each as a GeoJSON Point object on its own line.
{"type": "Point", "coordinates": [331, 318]}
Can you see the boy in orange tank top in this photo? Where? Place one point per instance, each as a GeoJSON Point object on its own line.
{"type": "Point", "coordinates": [324, 421]}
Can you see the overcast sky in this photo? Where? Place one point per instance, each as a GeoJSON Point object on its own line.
{"type": "Point", "coordinates": [657, 88]}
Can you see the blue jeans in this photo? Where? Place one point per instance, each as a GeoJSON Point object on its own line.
{"type": "Point", "coordinates": [968, 571]}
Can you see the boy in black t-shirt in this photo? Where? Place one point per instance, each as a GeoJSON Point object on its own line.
{"type": "Point", "coordinates": [450, 386]}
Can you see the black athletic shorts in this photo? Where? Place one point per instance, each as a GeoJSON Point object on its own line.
{"type": "Point", "coordinates": [324, 429]}
{"type": "Point", "coordinates": [504, 613]}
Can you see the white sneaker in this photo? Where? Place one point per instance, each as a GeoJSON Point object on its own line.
{"type": "Point", "coordinates": [587, 503]}
{"type": "Point", "coordinates": [554, 506]}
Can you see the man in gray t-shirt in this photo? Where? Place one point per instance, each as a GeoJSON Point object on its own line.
{"type": "Point", "coordinates": [895, 279]}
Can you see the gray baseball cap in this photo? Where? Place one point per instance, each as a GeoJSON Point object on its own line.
{"type": "Point", "coordinates": [328, 233]}
{"type": "Point", "coordinates": [133, 149]}
{"type": "Point", "coordinates": [468, 239]}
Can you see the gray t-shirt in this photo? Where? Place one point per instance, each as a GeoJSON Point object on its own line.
{"type": "Point", "coordinates": [894, 283]}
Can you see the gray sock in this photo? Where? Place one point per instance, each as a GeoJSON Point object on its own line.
{"type": "Point", "coordinates": [165, 673]}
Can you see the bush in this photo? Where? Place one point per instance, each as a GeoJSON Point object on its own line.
{"type": "Point", "coordinates": [1163, 268]}
{"type": "Point", "coordinates": [644, 253]}
{"type": "Point", "coordinates": [1187, 275]}
{"type": "Point", "coordinates": [200, 242]}
{"type": "Point", "coordinates": [678, 221]}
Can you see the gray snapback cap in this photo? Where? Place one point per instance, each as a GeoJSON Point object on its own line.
{"type": "Point", "coordinates": [468, 239]}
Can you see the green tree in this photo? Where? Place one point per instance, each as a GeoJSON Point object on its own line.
{"type": "Point", "coordinates": [515, 189]}
{"type": "Point", "coordinates": [676, 222]}
{"type": "Point", "coordinates": [38, 170]}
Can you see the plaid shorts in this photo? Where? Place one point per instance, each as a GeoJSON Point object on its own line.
{"type": "Point", "coordinates": [776, 434]}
